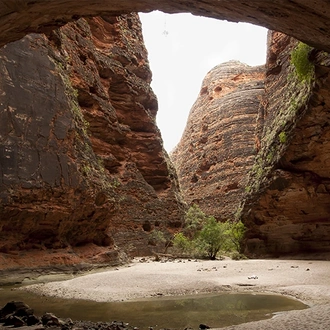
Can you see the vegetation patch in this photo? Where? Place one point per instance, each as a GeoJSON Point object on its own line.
{"type": "Point", "coordinates": [299, 58]}
{"type": "Point", "coordinates": [282, 137]}
{"type": "Point", "coordinates": [292, 105]}
{"type": "Point", "coordinates": [204, 236]}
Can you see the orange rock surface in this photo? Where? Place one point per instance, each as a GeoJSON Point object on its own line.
{"type": "Point", "coordinates": [82, 160]}
{"type": "Point", "coordinates": [218, 146]}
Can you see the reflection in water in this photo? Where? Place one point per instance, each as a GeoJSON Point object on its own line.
{"type": "Point", "coordinates": [165, 312]}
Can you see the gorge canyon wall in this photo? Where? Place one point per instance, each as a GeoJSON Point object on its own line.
{"type": "Point", "coordinates": [256, 149]}
{"type": "Point", "coordinates": [217, 148]}
{"type": "Point", "coordinates": [286, 208]}
{"type": "Point", "coordinates": [99, 163]}
{"type": "Point", "coordinates": [83, 170]}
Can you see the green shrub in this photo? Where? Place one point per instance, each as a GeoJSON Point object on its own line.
{"type": "Point", "coordinates": [194, 221]}
{"type": "Point", "coordinates": [204, 236]}
{"type": "Point", "coordinates": [236, 231]}
{"type": "Point", "coordinates": [299, 58]}
{"type": "Point", "coordinates": [213, 237]}
{"type": "Point", "coordinates": [157, 236]}
{"type": "Point", "coordinates": [181, 242]}
{"type": "Point", "coordinates": [238, 256]}
{"type": "Point", "coordinates": [282, 137]}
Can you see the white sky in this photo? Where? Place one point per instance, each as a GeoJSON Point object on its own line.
{"type": "Point", "coordinates": [182, 48]}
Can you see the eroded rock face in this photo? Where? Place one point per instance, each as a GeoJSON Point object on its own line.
{"type": "Point", "coordinates": [284, 183]}
{"type": "Point", "coordinates": [303, 19]}
{"type": "Point", "coordinates": [218, 148]}
{"type": "Point", "coordinates": [82, 161]}
{"type": "Point", "coordinates": [288, 208]}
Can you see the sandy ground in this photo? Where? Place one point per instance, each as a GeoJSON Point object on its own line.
{"type": "Point", "coordinates": [308, 281]}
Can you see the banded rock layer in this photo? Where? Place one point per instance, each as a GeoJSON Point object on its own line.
{"type": "Point", "coordinates": [218, 148]}
{"type": "Point", "coordinates": [82, 162]}
{"type": "Point", "coordinates": [282, 191]}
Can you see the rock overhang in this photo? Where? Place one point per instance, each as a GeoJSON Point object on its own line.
{"type": "Point", "coordinates": [305, 20]}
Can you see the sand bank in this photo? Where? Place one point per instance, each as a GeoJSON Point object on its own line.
{"type": "Point", "coordinates": [308, 281]}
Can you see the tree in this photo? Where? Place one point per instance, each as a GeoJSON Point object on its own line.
{"type": "Point", "coordinates": [158, 237]}
{"type": "Point", "coordinates": [194, 221]}
{"type": "Point", "coordinates": [204, 236]}
{"type": "Point", "coordinates": [182, 243]}
{"type": "Point", "coordinates": [236, 234]}
{"type": "Point", "coordinates": [213, 236]}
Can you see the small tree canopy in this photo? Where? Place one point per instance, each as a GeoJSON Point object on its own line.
{"type": "Point", "coordinates": [205, 236]}
{"type": "Point", "coordinates": [213, 235]}
{"type": "Point", "coordinates": [194, 221]}
{"type": "Point", "coordinates": [236, 234]}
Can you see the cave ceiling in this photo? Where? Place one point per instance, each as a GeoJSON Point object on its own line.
{"type": "Point", "coordinates": [306, 20]}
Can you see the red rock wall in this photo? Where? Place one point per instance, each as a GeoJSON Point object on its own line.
{"type": "Point", "coordinates": [82, 162]}
{"type": "Point", "coordinates": [288, 208]}
{"type": "Point", "coordinates": [218, 146]}
{"type": "Point", "coordinates": [281, 189]}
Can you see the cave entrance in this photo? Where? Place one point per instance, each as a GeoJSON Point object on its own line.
{"type": "Point", "coordinates": [182, 48]}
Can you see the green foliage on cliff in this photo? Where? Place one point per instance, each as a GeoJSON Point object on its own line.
{"type": "Point", "coordinates": [204, 236]}
{"type": "Point", "coordinates": [88, 163]}
{"type": "Point", "coordinates": [282, 137]}
{"type": "Point", "coordinates": [299, 58]}
{"type": "Point", "coordinates": [292, 102]}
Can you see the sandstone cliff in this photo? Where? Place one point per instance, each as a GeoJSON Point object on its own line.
{"type": "Point", "coordinates": [70, 145]}
{"type": "Point", "coordinates": [82, 162]}
{"type": "Point", "coordinates": [273, 174]}
{"type": "Point", "coordinates": [217, 148]}
{"type": "Point", "coordinates": [287, 205]}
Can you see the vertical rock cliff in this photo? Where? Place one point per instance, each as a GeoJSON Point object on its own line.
{"type": "Point", "coordinates": [81, 158]}
{"type": "Point", "coordinates": [257, 148]}
{"type": "Point", "coordinates": [287, 209]}
{"type": "Point", "coordinates": [218, 147]}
